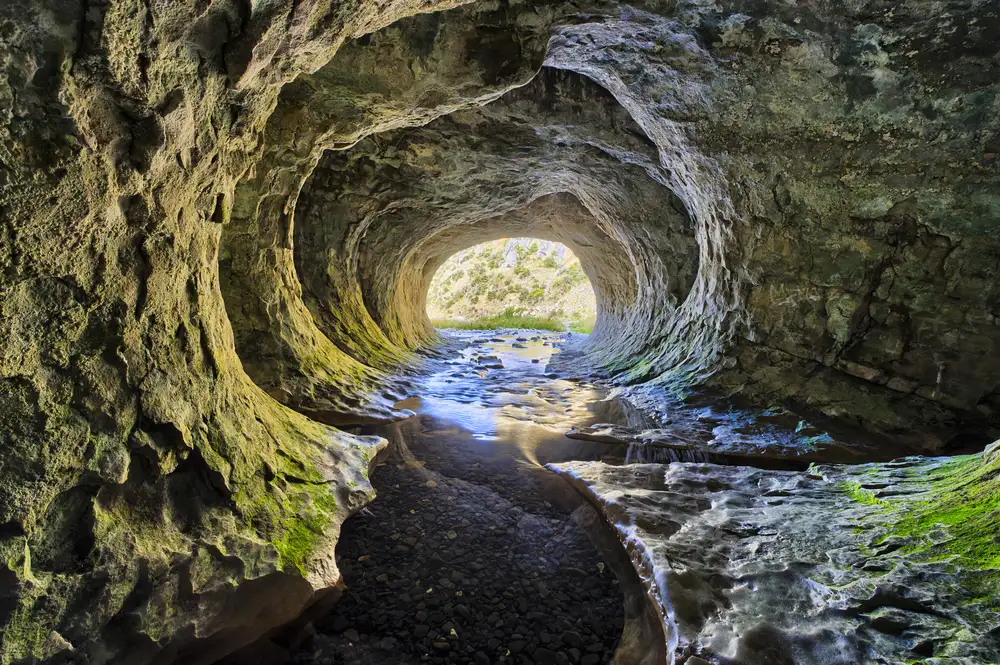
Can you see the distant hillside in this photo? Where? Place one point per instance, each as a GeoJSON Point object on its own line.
{"type": "Point", "coordinates": [510, 278]}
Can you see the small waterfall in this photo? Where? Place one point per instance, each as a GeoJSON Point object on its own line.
{"type": "Point", "coordinates": [642, 453]}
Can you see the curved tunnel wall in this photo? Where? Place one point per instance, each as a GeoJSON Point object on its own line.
{"type": "Point", "coordinates": [212, 212]}
{"type": "Point", "coordinates": [493, 172]}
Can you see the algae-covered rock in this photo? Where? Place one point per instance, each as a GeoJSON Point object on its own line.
{"type": "Point", "coordinates": [878, 563]}
{"type": "Point", "coordinates": [153, 500]}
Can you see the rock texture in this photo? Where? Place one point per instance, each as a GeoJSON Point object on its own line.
{"type": "Point", "coordinates": [821, 221]}
{"type": "Point", "coordinates": [846, 565]}
{"type": "Point", "coordinates": [218, 221]}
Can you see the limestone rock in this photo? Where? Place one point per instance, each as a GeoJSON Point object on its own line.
{"type": "Point", "coordinates": [218, 221]}
{"type": "Point", "coordinates": [783, 567]}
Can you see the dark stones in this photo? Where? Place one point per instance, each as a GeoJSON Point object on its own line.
{"type": "Point", "coordinates": [502, 584]}
{"type": "Point", "coordinates": [543, 656]}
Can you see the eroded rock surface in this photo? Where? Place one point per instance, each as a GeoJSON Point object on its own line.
{"type": "Point", "coordinates": [218, 221]}
{"type": "Point", "coordinates": [824, 567]}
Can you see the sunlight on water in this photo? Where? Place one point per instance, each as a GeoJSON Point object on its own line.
{"type": "Point", "coordinates": [499, 391]}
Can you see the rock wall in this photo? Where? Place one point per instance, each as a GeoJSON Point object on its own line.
{"type": "Point", "coordinates": [869, 161]}
{"type": "Point", "coordinates": [846, 565]}
{"type": "Point", "coordinates": [468, 177]}
{"type": "Point", "coordinates": [218, 221]}
{"type": "Point", "coordinates": [837, 183]}
{"type": "Point", "coordinates": [153, 500]}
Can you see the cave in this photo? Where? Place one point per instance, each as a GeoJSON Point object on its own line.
{"type": "Point", "coordinates": [219, 221]}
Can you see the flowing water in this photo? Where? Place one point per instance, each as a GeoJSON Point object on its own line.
{"type": "Point", "coordinates": [475, 552]}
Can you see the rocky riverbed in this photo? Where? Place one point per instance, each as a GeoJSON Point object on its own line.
{"type": "Point", "coordinates": [473, 552]}
{"type": "Point", "coordinates": [519, 520]}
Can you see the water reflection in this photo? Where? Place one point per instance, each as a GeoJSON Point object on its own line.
{"type": "Point", "coordinates": [499, 390]}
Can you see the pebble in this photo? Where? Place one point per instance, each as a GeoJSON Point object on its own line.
{"type": "Point", "coordinates": [544, 656]}
{"type": "Point", "coordinates": [461, 558]}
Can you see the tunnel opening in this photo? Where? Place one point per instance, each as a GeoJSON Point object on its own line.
{"type": "Point", "coordinates": [523, 283]}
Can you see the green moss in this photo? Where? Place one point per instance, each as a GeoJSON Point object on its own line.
{"type": "Point", "coordinates": [307, 514]}
{"type": "Point", "coordinates": [506, 319]}
{"type": "Point", "coordinates": [639, 370]}
{"type": "Point", "coordinates": [24, 636]}
{"type": "Point", "coordinates": [125, 531]}
{"type": "Point", "coordinates": [292, 516]}
{"type": "Point", "coordinates": [862, 495]}
{"type": "Point", "coordinates": [964, 501]}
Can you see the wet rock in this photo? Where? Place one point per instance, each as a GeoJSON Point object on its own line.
{"type": "Point", "coordinates": [489, 362]}
{"type": "Point", "coordinates": [702, 529]}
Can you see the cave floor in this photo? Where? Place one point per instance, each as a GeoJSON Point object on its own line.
{"type": "Point", "coordinates": [473, 552]}
{"type": "Point", "coordinates": [480, 546]}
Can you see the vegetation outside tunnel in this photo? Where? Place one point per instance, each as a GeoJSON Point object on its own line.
{"type": "Point", "coordinates": [512, 283]}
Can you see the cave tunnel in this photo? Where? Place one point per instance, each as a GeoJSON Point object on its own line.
{"type": "Point", "coordinates": [218, 225]}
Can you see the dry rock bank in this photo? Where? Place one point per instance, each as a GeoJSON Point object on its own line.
{"type": "Point", "coordinates": [218, 220]}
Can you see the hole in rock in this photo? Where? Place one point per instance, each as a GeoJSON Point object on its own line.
{"type": "Point", "coordinates": [513, 283]}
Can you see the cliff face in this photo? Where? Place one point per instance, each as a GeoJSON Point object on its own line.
{"type": "Point", "coordinates": [218, 222]}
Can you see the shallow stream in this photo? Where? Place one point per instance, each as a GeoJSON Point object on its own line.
{"type": "Point", "coordinates": [475, 552]}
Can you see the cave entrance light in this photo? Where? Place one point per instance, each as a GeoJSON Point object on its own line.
{"type": "Point", "coordinates": [513, 283]}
